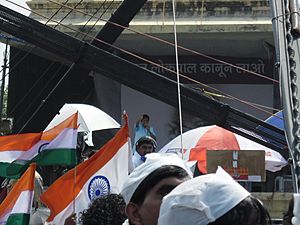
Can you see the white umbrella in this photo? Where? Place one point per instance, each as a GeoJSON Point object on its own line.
{"type": "Point", "coordinates": [90, 118]}
{"type": "Point", "coordinates": [217, 138]}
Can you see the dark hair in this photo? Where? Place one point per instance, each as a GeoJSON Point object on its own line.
{"type": "Point", "coordinates": [145, 116]}
{"type": "Point", "coordinates": [105, 210]}
{"type": "Point", "coordinates": [250, 211]}
{"type": "Point", "coordinates": [146, 140]}
{"type": "Point", "coordinates": [153, 178]}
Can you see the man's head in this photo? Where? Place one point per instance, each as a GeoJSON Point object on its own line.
{"type": "Point", "coordinates": [106, 210]}
{"type": "Point", "coordinates": [249, 211]}
{"type": "Point", "coordinates": [145, 145]}
{"type": "Point", "coordinates": [145, 120]}
{"type": "Point", "coordinates": [213, 199]}
{"type": "Point", "coordinates": [149, 183]}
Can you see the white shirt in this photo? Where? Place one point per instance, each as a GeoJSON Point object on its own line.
{"type": "Point", "coordinates": [137, 159]}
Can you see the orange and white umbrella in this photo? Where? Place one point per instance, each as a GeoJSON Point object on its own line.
{"type": "Point", "coordinates": [197, 141]}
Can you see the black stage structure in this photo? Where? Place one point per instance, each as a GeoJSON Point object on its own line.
{"type": "Point", "coordinates": [86, 57]}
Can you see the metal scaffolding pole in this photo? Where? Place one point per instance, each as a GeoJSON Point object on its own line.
{"type": "Point", "coordinates": [3, 79]}
{"type": "Point", "coordinates": [286, 34]}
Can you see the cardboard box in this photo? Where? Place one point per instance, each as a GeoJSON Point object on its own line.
{"type": "Point", "coordinates": [242, 165]}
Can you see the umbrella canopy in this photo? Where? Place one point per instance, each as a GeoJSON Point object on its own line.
{"type": "Point", "coordinates": [276, 120]}
{"type": "Point", "coordinates": [197, 141]}
{"type": "Point", "coordinates": [90, 118]}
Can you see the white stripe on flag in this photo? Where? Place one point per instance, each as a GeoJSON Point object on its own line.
{"type": "Point", "coordinates": [22, 205]}
{"type": "Point", "coordinates": [66, 139]}
{"type": "Point", "coordinates": [10, 156]}
{"type": "Point", "coordinates": [31, 153]}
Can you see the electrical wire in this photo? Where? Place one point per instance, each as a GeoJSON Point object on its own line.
{"type": "Point", "coordinates": [154, 38]}
{"type": "Point", "coordinates": [53, 63]}
{"type": "Point", "coordinates": [26, 45]}
{"type": "Point", "coordinates": [136, 56]}
{"type": "Point", "coordinates": [189, 50]}
{"type": "Point", "coordinates": [212, 94]}
{"type": "Point", "coordinates": [171, 44]}
{"type": "Point", "coordinates": [177, 74]}
{"type": "Point", "coordinates": [52, 90]}
{"type": "Point", "coordinates": [40, 77]}
{"type": "Point", "coordinates": [20, 60]}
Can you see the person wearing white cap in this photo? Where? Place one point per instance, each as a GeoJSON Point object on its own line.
{"type": "Point", "coordinates": [214, 199]}
{"type": "Point", "coordinates": [149, 183]}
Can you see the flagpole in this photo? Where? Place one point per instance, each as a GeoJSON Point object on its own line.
{"type": "Point", "coordinates": [116, 153]}
{"type": "Point", "coordinates": [75, 174]}
{"type": "Point", "coordinates": [73, 215]}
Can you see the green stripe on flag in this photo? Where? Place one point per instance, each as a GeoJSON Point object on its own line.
{"type": "Point", "coordinates": [12, 170]}
{"type": "Point", "coordinates": [53, 157]}
{"type": "Point", "coordinates": [61, 156]}
{"type": "Point", "coordinates": [18, 219]}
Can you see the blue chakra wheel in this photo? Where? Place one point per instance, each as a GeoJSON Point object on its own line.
{"type": "Point", "coordinates": [98, 186]}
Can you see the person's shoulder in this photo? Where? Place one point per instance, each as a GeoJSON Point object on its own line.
{"type": "Point", "coordinates": [138, 125]}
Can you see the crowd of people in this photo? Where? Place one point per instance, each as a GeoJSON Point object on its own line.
{"type": "Point", "coordinates": [162, 190]}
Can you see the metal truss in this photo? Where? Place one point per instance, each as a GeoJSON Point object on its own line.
{"type": "Point", "coordinates": [91, 58]}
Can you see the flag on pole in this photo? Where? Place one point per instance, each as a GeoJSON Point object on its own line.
{"type": "Point", "coordinates": [56, 146]}
{"type": "Point", "coordinates": [59, 144]}
{"type": "Point", "coordinates": [103, 173]}
{"type": "Point", "coordinates": [16, 207]}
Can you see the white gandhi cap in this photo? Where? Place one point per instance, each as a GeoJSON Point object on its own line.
{"type": "Point", "coordinates": [152, 163]}
{"type": "Point", "coordinates": [201, 200]}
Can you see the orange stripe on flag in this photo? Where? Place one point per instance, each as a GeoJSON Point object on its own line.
{"type": "Point", "coordinates": [70, 123]}
{"type": "Point", "coordinates": [57, 198]}
{"type": "Point", "coordinates": [25, 183]}
{"type": "Point", "coordinates": [24, 142]}
{"type": "Point", "coordinates": [19, 142]}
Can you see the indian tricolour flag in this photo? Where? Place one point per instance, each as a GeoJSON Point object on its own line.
{"type": "Point", "coordinates": [103, 173]}
{"type": "Point", "coordinates": [16, 207]}
{"type": "Point", "coordinates": [56, 146]}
